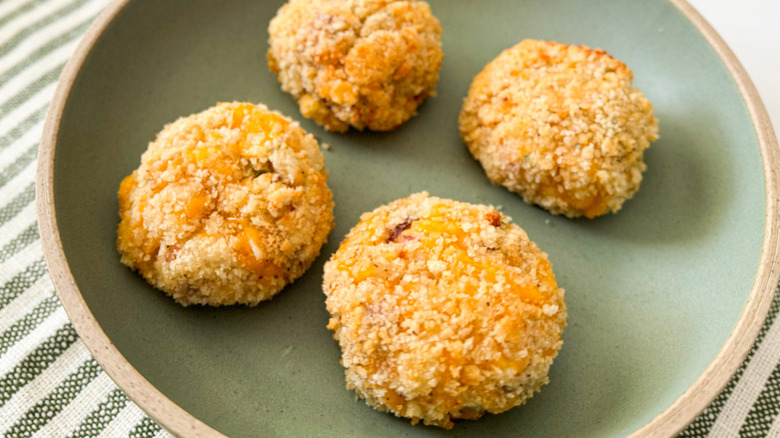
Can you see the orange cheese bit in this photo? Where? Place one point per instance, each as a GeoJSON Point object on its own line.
{"type": "Point", "coordinates": [221, 154]}
{"type": "Point", "coordinates": [130, 233]}
{"type": "Point", "coordinates": [125, 187]}
{"type": "Point", "coordinates": [196, 206]}
{"type": "Point", "coordinates": [438, 225]}
{"type": "Point", "coordinates": [252, 120]}
{"type": "Point", "coordinates": [361, 270]}
{"type": "Point", "coordinates": [250, 244]}
{"type": "Point", "coordinates": [591, 206]}
{"type": "Point", "coordinates": [341, 92]}
{"type": "Point", "coordinates": [394, 400]}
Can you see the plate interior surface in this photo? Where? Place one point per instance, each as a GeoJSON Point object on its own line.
{"type": "Point", "coordinates": [652, 292]}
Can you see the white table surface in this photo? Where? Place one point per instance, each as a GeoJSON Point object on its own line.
{"type": "Point", "coordinates": [752, 29]}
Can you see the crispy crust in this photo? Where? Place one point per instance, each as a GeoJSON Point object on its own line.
{"type": "Point", "coordinates": [228, 206]}
{"type": "Point", "coordinates": [360, 63]}
{"type": "Point", "coordinates": [443, 310]}
{"type": "Point", "coordinates": [561, 126]}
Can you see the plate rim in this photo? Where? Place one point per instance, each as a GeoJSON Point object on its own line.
{"type": "Point", "coordinates": [178, 421]}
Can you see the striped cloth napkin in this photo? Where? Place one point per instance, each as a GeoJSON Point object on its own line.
{"type": "Point", "coordinates": [50, 386]}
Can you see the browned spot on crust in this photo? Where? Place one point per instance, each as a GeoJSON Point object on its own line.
{"type": "Point", "coordinates": [494, 218]}
{"type": "Point", "coordinates": [398, 229]}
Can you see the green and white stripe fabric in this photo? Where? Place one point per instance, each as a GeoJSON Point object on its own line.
{"type": "Point", "coordinates": [50, 386]}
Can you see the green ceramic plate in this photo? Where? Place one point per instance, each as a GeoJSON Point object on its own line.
{"type": "Point", "coordinates": [655, 293]}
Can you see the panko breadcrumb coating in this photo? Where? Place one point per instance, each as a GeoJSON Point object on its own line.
{"type": "Point", "coordinates": [228, 206]}
{"type": "Point", "coordinates": [443, 310]}
{"type": "Point", "coordinates": [360, 63]}
{"type": "Point", "coordinates": [561, 126]}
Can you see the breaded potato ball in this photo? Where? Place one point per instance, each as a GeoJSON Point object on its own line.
{"type": "Point", "coordinates": [360, 63]}
{"type": "Point", "coordinates": [227, 207]}
{"type": "Point", "coordinates": [443, 310]}
{"type": "Point", "coordinates": [561, 126]}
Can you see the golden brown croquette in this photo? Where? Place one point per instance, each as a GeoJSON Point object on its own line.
{"type": "Point", "coordinates": [228, 206]}
{"type": "Point", "coordinates": [561, 126]}
{"type": "Point", "coordinates": [360, 63]}
{"type": "Point", "coordinates": [443, 310]}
